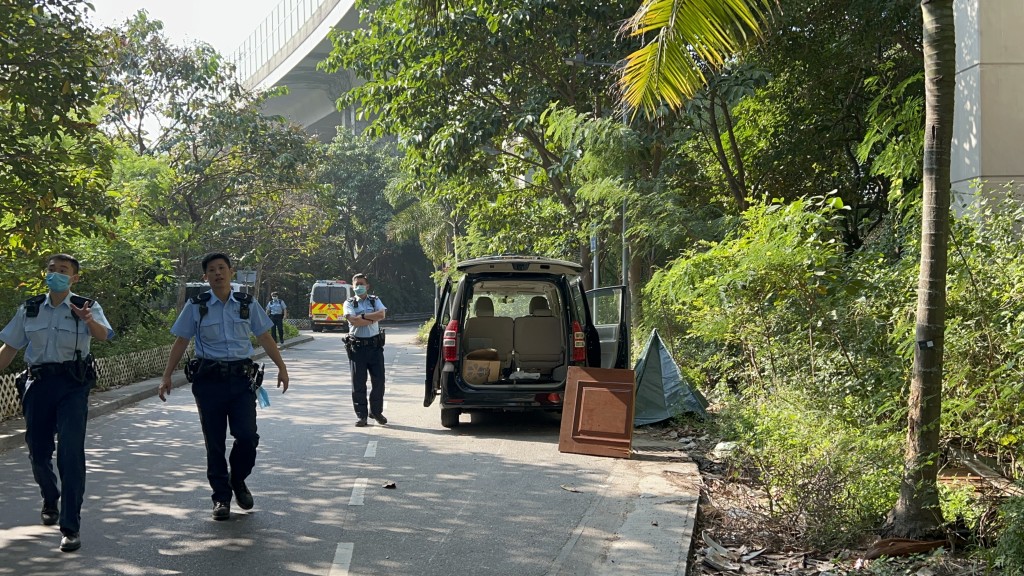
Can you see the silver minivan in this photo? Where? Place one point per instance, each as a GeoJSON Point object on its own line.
{"type": "Point", "coordinates": [505, 335]}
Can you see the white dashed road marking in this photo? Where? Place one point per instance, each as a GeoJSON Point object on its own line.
{"type": "Point", "coordinates": [371, 449]}
{"type": "Point", "coordinates": [342, 559]}
{"type": "Point", "coordinates": [358, 492]}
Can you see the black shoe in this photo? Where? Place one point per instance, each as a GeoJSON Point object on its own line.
{"type": "Point", "coordinates": [361, 422]}
{"type": "Point", "coordinates": [242, 495]}
{"type": "Point", "coordinates": [70, 543]}
{"type": "Point", "coordinates": [50, 514]}
{"type": "Point", "coordinates": [379, 418]}
{"type": "Point", "coordinates": [221, 510]}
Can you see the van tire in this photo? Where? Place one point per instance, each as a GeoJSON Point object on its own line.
{"type": "Point", "coordinates": [450, 417]}
{"type": "Point", "coordinates": [318, 328]}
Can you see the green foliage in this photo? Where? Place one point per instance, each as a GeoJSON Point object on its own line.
{"type": "Point", "coordinates": [779, 313]}
{"type": "Point", "coordinates": [423, 332]}
{"type": "Point", "coordinates": [895, 137]}
{"type": "Point", "coordinates": [127, 278]}
{"type": "Point", "coordinates": [689, 39]}
{"type": "Point", "coordinates": [230, 176]}
{"type": "Point", "coordinates": [1009, 553]}
{"type": "Point", "coordinates": [138, 337]}
{"type": "Point", "coordinates": [354, 174]}
{"type": "Point", "coordinates": [472, 127]}
{"type": "Point", "coordinates": [984, 380]}
{"type": "Point", "coordinates": [960, 503]}
{"type": "Point", "coordinates": [53, 161]}
{"type": "Point", "coordinates": [830, 479]}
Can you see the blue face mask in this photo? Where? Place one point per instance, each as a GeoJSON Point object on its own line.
{"type": "Point", "coordinates": [58, 282]}
{"type": "Point", "coordinates": [360, 290]}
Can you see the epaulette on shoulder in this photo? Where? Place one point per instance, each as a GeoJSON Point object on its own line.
{"type": "Point", "coordinates": [36, 300]}
{"type": "Point", "coordinates": [201, 298]}
{"type": "Point", "coordinates": [243, 297]}
{"type": "Point", "coordinates": [80, 301]}
{"type": "Point", "coordinates": [32, 305]}
{"type": "Point", "coordinates": [352, 300]}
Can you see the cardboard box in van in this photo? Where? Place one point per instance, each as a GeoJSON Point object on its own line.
{"type": "Point", "coordinates": [481, 366]}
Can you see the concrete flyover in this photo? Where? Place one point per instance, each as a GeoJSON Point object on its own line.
{"type": "Point", "coordinates": [285, 49]}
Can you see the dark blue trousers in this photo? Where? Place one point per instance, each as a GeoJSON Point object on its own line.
{"type": "Point", "coordinates": [277, 330]}
{"type": "Point", "coordinates": [367, 360]}
{"type": "Point", "coordinates": [58, 405]}
{"type": "Point", "coordinates": [226, 402]}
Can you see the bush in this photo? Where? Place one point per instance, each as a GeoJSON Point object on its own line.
{"type": "Point", "coordinates": [830, 481]}
{"type": "Point", "coordinates": [778, 303]}
{"type": "Point", "coordinates": [138, 337]}
{"type": "Point", "coordinates": [1009, 551]}
{"type": "Point", "coordinates": [424, 332]}
{"type": "Point", "coordinates": [780, 314]}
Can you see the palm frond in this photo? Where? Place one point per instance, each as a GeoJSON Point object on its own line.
{"type": "Point", "coordinates": [690, 38]}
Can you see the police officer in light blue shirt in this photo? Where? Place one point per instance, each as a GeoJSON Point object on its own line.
{"type": "Point", "coordinates": [220, 321]}
{"type": "Point", "coordinates": [365, 346]}
{"type": "Point", "coordinates": [56, 330]}
{"type": "Point", "coordinates": [277, 310]}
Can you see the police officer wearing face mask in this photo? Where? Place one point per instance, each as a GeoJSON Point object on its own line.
{"type": "Point", "coordinates": [365, 347]}
{"type": "Point", "coordinates": [56, 329]}
{"type": "Point", "coordinates": [223, 378]}
{"type": "Point", "coordinates": [277, 310]}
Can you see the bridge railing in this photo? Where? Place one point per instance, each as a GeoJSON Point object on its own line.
{"type": "Point", "coordinates": [277, 36]}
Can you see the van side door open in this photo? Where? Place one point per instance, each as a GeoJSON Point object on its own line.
{"type": "Point", "coordinates": [442, 314]}
{"type": "Point", "coordinates": [608, 311]}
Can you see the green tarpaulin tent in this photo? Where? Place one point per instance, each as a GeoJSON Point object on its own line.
{"type": "Point", "coordinates": [661, 392]}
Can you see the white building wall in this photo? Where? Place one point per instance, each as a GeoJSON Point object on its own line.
{"type": "Point", "coordinates": [988, 136]}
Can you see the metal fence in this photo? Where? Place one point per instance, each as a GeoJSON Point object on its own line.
{"type": "Point", "coordinates": [114, 371]}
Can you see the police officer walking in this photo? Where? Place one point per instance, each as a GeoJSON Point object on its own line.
{"type": "Point", "coordinates": [365, 347]}
{"type": "Point", "coordinates": [224, 378]}
{"type": "Point", "coordinates": [57, 329]}
{"type": "Point", "coordinates": [277, 310]}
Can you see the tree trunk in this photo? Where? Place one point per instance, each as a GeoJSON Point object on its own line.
{"type": "Point", "coordinates": [586, 255]}
{"type": "Point", "coordinates": [917, 512]}
{"type": "Point", "coordinates": [715, 135]}
{"type": "Point", "coordinates": [636, 284]}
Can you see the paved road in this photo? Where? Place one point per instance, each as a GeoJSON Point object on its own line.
{"type": "Point", "coordinates": [492, 497]}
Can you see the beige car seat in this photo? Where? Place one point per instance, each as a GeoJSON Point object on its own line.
{"type": "Point", "coordinates": [539, 341]}
{"type": "Point", "coordinates": [485, 330]}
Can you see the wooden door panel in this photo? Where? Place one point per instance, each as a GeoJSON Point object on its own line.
{"type": "Point", "coordinates": [597, 417]}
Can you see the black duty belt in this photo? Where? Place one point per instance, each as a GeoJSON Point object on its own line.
{"type": "Point", "coordinates": [224, 367]}
{"type": "Point", "coordinates": [79, 370]}
{"type": "Point", "coordinates": [50, 369]}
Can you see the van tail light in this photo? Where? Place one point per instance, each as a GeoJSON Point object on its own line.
{"type": "Point", "coordinates": [548, 398]}
{"type": "Point", "coordinates": [451, 333]}
{"type": "Point", "coordinates": [579, 343]}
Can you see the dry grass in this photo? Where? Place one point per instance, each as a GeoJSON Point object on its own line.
{"type": "Point", "coordinates": [736, 534]}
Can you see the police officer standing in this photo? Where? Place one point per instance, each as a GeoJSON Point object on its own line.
{"type": "Point", "coordinates": [57, 329]}
{"type": "Point", "coordinates": [277, 310]}
{"type": "Point", "coordinates": [223, 377]}
{"type": "Point", "coordinates": [365, 347]}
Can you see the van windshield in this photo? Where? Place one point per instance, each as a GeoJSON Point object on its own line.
{"type": "Point", "coordinates": [330, 294]}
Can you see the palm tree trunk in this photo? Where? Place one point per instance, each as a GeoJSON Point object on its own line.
{"type": "Point", "coordinates": [917, 511]}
